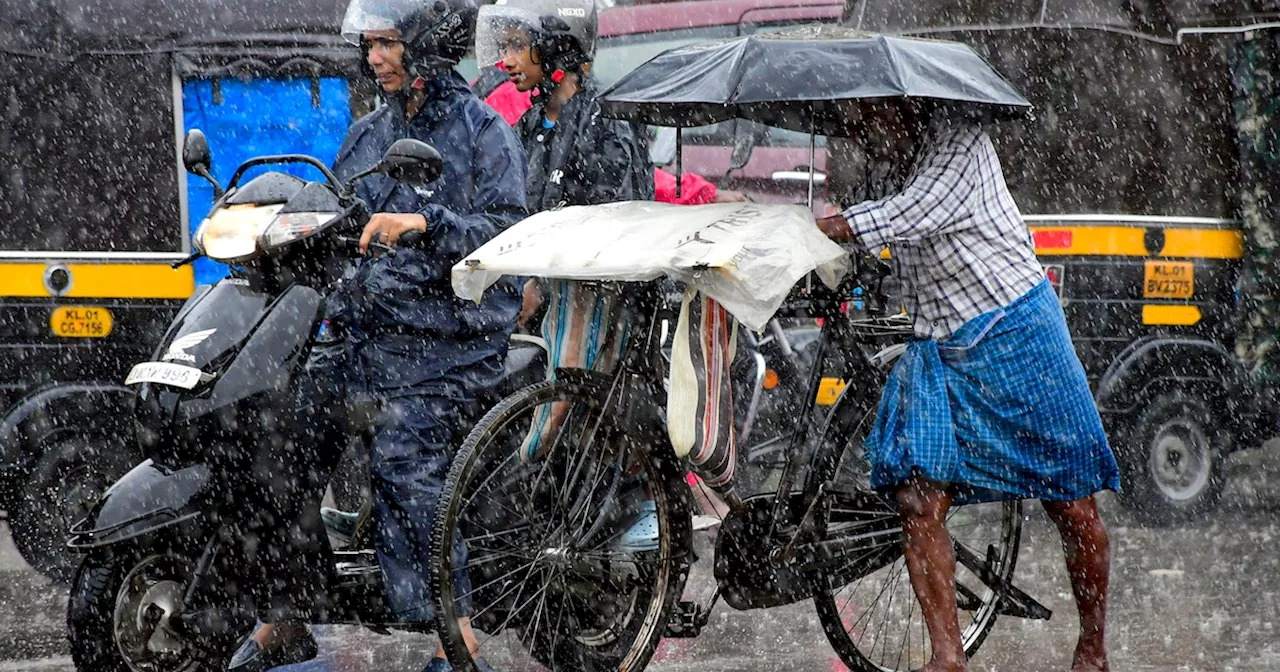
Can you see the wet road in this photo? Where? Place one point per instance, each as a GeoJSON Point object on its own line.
{"type": "Point", "coordinates": [1203, 597]}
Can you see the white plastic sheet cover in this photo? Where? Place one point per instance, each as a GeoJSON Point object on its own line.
{"type": "Point", "coordinates": [747, 256]}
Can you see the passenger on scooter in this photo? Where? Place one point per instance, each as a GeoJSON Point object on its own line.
{"type": "Point", "coordinates": [413, 348]}
{"type": "Point", "coordinates": [990, 401]}
{"type": "Point", "coordinates": [575, 156]}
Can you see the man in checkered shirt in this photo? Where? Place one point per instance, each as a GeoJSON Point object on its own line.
{"type": "Point", "coordinates": [989, 402]}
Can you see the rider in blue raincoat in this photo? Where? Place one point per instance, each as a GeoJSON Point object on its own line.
{"type": "Point", "coordinates": [423, 355]}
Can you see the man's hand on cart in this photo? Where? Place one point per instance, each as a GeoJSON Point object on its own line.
{"type": "Point", "coordinates": [730, 196]}
{"type": "Point", "coordinates": [836, 228]}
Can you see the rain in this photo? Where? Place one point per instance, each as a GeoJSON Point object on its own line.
{"type": "Point", "coordinates": [353, 335]}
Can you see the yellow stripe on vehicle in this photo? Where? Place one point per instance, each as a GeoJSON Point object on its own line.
{"type": "Point", "coordinates": [1179, 316]}
{"type": "Point", "coordinates": [101, 281]}
{"type": "Point", "coordinates": [1130, 241]}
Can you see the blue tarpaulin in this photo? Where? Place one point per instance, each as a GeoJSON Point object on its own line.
{"type": "Point", "coordinates": [261, 116]}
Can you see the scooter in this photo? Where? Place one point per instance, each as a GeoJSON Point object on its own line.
{"type": "Point", "coordinates": [170, 580]}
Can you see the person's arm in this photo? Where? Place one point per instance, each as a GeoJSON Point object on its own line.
{"type": "Point", "coordinates": [498, 201]}
{"type": "Point", "coordinates": [935, 202]}
{"type": "Point", "coordinates": [612, 164]}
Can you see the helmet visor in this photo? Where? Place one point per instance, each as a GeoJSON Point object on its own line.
{"type": "Point", "coordinates": [371, 16]}
{"type": "Point", "coordinates": [501, 29]}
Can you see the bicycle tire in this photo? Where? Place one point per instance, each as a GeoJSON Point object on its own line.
{"type": "Point", "coordinates": [638, 636]}
{"type": "Point", "coordinates": [849, 423]}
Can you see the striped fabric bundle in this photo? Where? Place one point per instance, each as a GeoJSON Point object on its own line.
{"type": "Point", "coordinates": [700, 399]}
{"type": "Point", "coordinates": [585, 328]}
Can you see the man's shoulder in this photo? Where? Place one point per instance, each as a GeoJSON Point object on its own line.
{"type": "Point", "coordinates": [378, 115]}
{"type": "Point", "coordinates": [475, 111]}
{"type": "Point", "coordinates": [356, 142]}
{"type": "Point", "coordinates": [961, 134]}
{"type": "Point", "coordinates": [362, 125]}
{"type": "Point", "coordinates": [598, 128]}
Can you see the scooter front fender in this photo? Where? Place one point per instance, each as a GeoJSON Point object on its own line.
{"type": "Point", "coordinates": [151, 496]}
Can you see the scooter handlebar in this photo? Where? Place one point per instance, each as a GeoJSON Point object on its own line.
{"type": "Point", "coordinates": [373, 246]}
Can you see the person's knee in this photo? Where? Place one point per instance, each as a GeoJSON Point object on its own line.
{"type": "Point", "coordinates": [922, 500]}
{"type": "Point", "coordinates": [1078, 520]}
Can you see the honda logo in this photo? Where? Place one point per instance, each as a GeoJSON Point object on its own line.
{"type": "Point", "coordinates": [177, 349]}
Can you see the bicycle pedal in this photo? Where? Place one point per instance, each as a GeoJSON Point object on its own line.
{"type": "Point", "coordinates": [356, 563]}
{"type": "Point", "coordinates": [686, 622]}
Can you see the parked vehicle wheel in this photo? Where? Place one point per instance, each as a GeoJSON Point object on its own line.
{"type": "Point", "coordinates": [120, 616]}
{"type": "Point", "coordinates": [66, 482]}
{"type": "Point", "coordinates": [1171, 460]}
{"type": "Point", "coordinates": [557, 581]}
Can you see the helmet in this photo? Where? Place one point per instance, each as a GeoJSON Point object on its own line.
{"type": "Point", "coordinates": [563, 32]}
{"type": "Point", "coordinates": [436, 33]}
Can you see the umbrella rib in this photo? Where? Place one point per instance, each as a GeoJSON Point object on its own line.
{"type": "Point", "coordinates": [736, 75]}
{"type": "Point", "coordinates": [895, 65]}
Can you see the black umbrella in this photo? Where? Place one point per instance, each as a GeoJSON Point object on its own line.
{"type": "Point", "coordinates": [806, 78]}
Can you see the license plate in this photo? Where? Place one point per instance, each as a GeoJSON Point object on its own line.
{"type": "Point", "coordinates": [1169, 280]}
{"type": "Point", "coordinates": [165, 373]}
{"type": "Point", "coordinates": [80, 322]}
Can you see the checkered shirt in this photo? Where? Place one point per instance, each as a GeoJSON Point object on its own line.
{"type": "Point", "coordinates": [957, 240]}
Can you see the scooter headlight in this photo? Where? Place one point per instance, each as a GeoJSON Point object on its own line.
{"type": "Point", "coordinates": [290, 226]}
{"type": "Point", "coordinates": [230, 233]}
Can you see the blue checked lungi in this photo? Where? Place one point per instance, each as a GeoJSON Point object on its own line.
{"type": "Point", "coordinates": [1000, 410]}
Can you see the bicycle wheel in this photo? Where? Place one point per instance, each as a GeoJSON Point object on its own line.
{"type": "Point", "coordinates": [553, 577]}
{"type": "Point", "coordinates": [874, 623]}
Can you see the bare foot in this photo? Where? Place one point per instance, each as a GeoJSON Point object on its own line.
{"type": "Point", "coordinates": [945, 666]}
{"type": "Point", "coordinates": [1090, 657]}
{"type": "Point", "coordinates": [273, 635]}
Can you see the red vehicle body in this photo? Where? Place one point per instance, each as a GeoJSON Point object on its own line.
{"type": "Point", "coordinates": [778, 167]}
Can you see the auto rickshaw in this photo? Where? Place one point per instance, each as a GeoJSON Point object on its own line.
{"type": "Point", "coordinates": [96, 206]}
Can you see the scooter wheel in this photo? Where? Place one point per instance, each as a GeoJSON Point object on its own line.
{"type": "Point", "coordinates": [119, 615]}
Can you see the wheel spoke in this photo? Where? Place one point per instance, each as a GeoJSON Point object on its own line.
{"type": "Point", "coordinates": [887, 633]}
{"type": "Point", "coordinates": [529, 566]}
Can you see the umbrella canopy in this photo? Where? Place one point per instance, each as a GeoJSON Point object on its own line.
{"type": "Point", "coordinates": [807, 75]}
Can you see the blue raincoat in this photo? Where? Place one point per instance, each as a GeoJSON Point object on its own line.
{"type": "Point", "coordinates": [425, 354]}
{"type": "Point", "coordinates": [411, 332]}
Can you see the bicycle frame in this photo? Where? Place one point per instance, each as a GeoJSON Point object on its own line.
{"type": "Point", "coordinates": [641, 364]}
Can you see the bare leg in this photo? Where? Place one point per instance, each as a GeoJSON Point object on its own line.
{"type": "Point", "coordinates": [265, 635]}
{"type": "Point", "coordinates": [1088, 551]}
{"type": "Point", "coordinates": [468, 636]}
{"type": "Point", "coordinates": [272, 635]}
{"type": "Point", "coordinates": [931, 562]}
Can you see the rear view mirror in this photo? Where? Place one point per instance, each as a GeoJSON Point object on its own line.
{"type": "Point", "coordinates": [412, 162]}
{"type": "Point", "coordinates": [195, 153]}
{"type": "Point", "coordinates": [197, 159]}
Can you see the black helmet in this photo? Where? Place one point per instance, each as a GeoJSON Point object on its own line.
{"type": "Point", "coordinates": [436, 33]}
{"type": "Point", "coordinates": [563, 32]}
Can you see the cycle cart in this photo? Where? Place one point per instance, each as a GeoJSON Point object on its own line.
{"type": "Point", "coordinates": [578, 538]}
